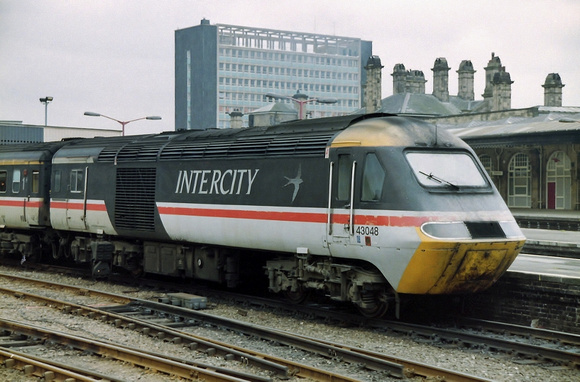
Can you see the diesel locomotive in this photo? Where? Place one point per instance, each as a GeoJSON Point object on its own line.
{"type": "Point", "coordinates": [363, 208]}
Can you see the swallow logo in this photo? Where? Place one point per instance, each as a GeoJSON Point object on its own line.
{"type": "Point", "coordinates": [295, 182]}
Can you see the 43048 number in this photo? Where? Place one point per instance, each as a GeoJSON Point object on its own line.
{"type": "Point", "coordinates": [367, 231]}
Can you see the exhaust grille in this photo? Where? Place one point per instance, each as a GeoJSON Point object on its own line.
{"type": "Point", "coordinates": [135, 199]}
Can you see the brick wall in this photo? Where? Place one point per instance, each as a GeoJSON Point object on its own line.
{"type": "Point", "coordinates": [530, 300]}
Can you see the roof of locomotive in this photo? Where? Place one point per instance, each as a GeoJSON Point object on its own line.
{"type": "Point", "coordinates": [297, 138]}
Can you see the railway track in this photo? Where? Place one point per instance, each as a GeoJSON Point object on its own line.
{"type": "Point", "coordinates": [29, 335]}
{"type": "Point", "coordinates": [526, 344]}
{"type": "Point", "coordinates": [160, 320]}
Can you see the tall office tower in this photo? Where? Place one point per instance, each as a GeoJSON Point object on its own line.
{"type": "Point", "coordinates": [222, 68]}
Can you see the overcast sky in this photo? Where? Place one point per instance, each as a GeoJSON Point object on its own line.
{"type": "Point", "coordinates": [116, 57]}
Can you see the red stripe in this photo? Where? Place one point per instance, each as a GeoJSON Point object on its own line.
{"type": "Point", "coordinates": [78, 206]}
{"type": "Point", "coordinates": [245, 214]}
{"type": "Point", "coordinates": [307, 217]}
{"type": "Point", "coordinates": [20, 203]}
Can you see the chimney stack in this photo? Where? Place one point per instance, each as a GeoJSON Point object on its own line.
{"type": "Point", "coordinates": [236, 119]}
{"type": "Point", "coordinates": [415, 82]}
{"type": "Point", "coordinates": [373, 97]}
{"type": "Point", "coordinates": [441, 79]}
{"type": "Point", "coordinates": [553, 90]}
{"type": "Point", "coordinates": [502, 91]}
{"type": "Point", "coordinates": [493, 66]}
{"type": "Point", "coordinates": [399, 79]}
{"type": "Point", "coordinates": [466, 81]}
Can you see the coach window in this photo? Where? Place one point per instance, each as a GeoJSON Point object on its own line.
{"type": "Point", "coordinates": [35, 181]}
{"type": "Point", "coordinates": [3, 179]}
{"type": "Point", "coordinates": [76, 181]}
{"type": "Point", "coordinates": [16, 181]}
{"type": "Point", "coordinates": [56, 184]}
{"type": "Point", "coordinates": [373, 179]}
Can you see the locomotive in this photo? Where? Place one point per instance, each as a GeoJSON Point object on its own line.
{"type": "Point", "coordinates": [362, 207]}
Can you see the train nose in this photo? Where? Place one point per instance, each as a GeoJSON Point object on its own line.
{"type": "Point", "coordinates": [446, 267]}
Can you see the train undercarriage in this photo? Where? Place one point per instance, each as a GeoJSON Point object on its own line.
{"type": "Point", "coordinates": [293, 275]}
{"type": "Point", "coordinates": [366, 288]}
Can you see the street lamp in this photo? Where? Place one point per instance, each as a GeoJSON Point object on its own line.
{"type": "Point", "coordinates": [123, 123]}
{"type": "Point", "coordinates": [45, 101]}
{"type": "Point", "coordinates": [301, 99]}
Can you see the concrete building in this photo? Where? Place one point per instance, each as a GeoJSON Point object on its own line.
{"type": "Point", "coordinates": [14, 132]}
{"type": "Point", "coordinates": [220, 68]}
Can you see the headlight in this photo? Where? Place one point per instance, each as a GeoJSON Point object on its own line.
{"type": "Point", "coordinates": [446, 230]}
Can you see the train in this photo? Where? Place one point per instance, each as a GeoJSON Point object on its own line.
{"type": "Point", "coordinates": [363, 208]}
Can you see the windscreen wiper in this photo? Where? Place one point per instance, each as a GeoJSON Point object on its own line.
{"type": "Point", "coordinates": [434, 178]}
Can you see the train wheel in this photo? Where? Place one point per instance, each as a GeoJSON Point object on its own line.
{"type": "Point", "coordinates": [56, 250]}
{"type": "Point", "coordinates": [375, 310]}
{"type": "Point", "coordinates": [374, 304]}
{"type": "Point", "coordinates": [299, 296]}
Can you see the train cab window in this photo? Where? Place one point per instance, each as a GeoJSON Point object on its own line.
{"type": "Point", "coordinates": [35, 182]}
{"type": "Point", "coordinates": [16, 182]}
{"type": "Point", "coordinates": [373, 179]}
{"type": "Point", "coordinates": [344, 177]}
{"type": "Point", "coordinates": [446, 170]}
{"type": "Point", "coordinates": [76, 181]}
{"type": "Point", "coordinates": [3, 180]}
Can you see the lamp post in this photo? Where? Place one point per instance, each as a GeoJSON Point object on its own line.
{"type": "Point", "coordinates": [302, 99]}
{"type": "Point", "coordinates": [123, 123]}
{"type": "Point", "coordinates": [45, 101]}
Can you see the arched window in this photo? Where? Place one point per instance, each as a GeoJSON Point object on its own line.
{"type": "Point", "coordinates": [558, 182]}
{"type": "Point", "coordinates": [520, 182]}
{"type": "Point", "coordinates": [486, 162]}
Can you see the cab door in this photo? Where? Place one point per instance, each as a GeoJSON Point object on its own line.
{"type": "Point", "coordinates": [341, 211]}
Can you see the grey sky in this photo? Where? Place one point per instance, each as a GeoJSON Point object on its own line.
{"type": "Point", "coordinates": [117, 57]}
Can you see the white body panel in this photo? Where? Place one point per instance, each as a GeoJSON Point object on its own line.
{"type": "Point", "coordinates": [20, 212]}
{"type": "Point", "coordinates": [76, 215]}
{"type": "Point", "coordinates": [388, 240]}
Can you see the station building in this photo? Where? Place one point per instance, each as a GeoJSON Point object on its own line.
{"type": "Point", "coordinates": [531, 154]}
{"type": "Point", "coordinates": [222, 68]}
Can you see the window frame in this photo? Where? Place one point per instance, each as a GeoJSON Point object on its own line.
{"type": "Point", "coordinates": [77, 174]}
{"type": "Point", "coordinates": [365, 169]}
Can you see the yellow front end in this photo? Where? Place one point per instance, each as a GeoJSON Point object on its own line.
{"type": "Point", "coordinates": [448, 267]}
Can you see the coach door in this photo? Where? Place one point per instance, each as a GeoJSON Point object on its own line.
{"type": "Point", "coordinates": [76, 202]}
{"type": "Point", "coordinates": [32, 201]}
{"type": "Point", "coordinates": [340, 227]}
